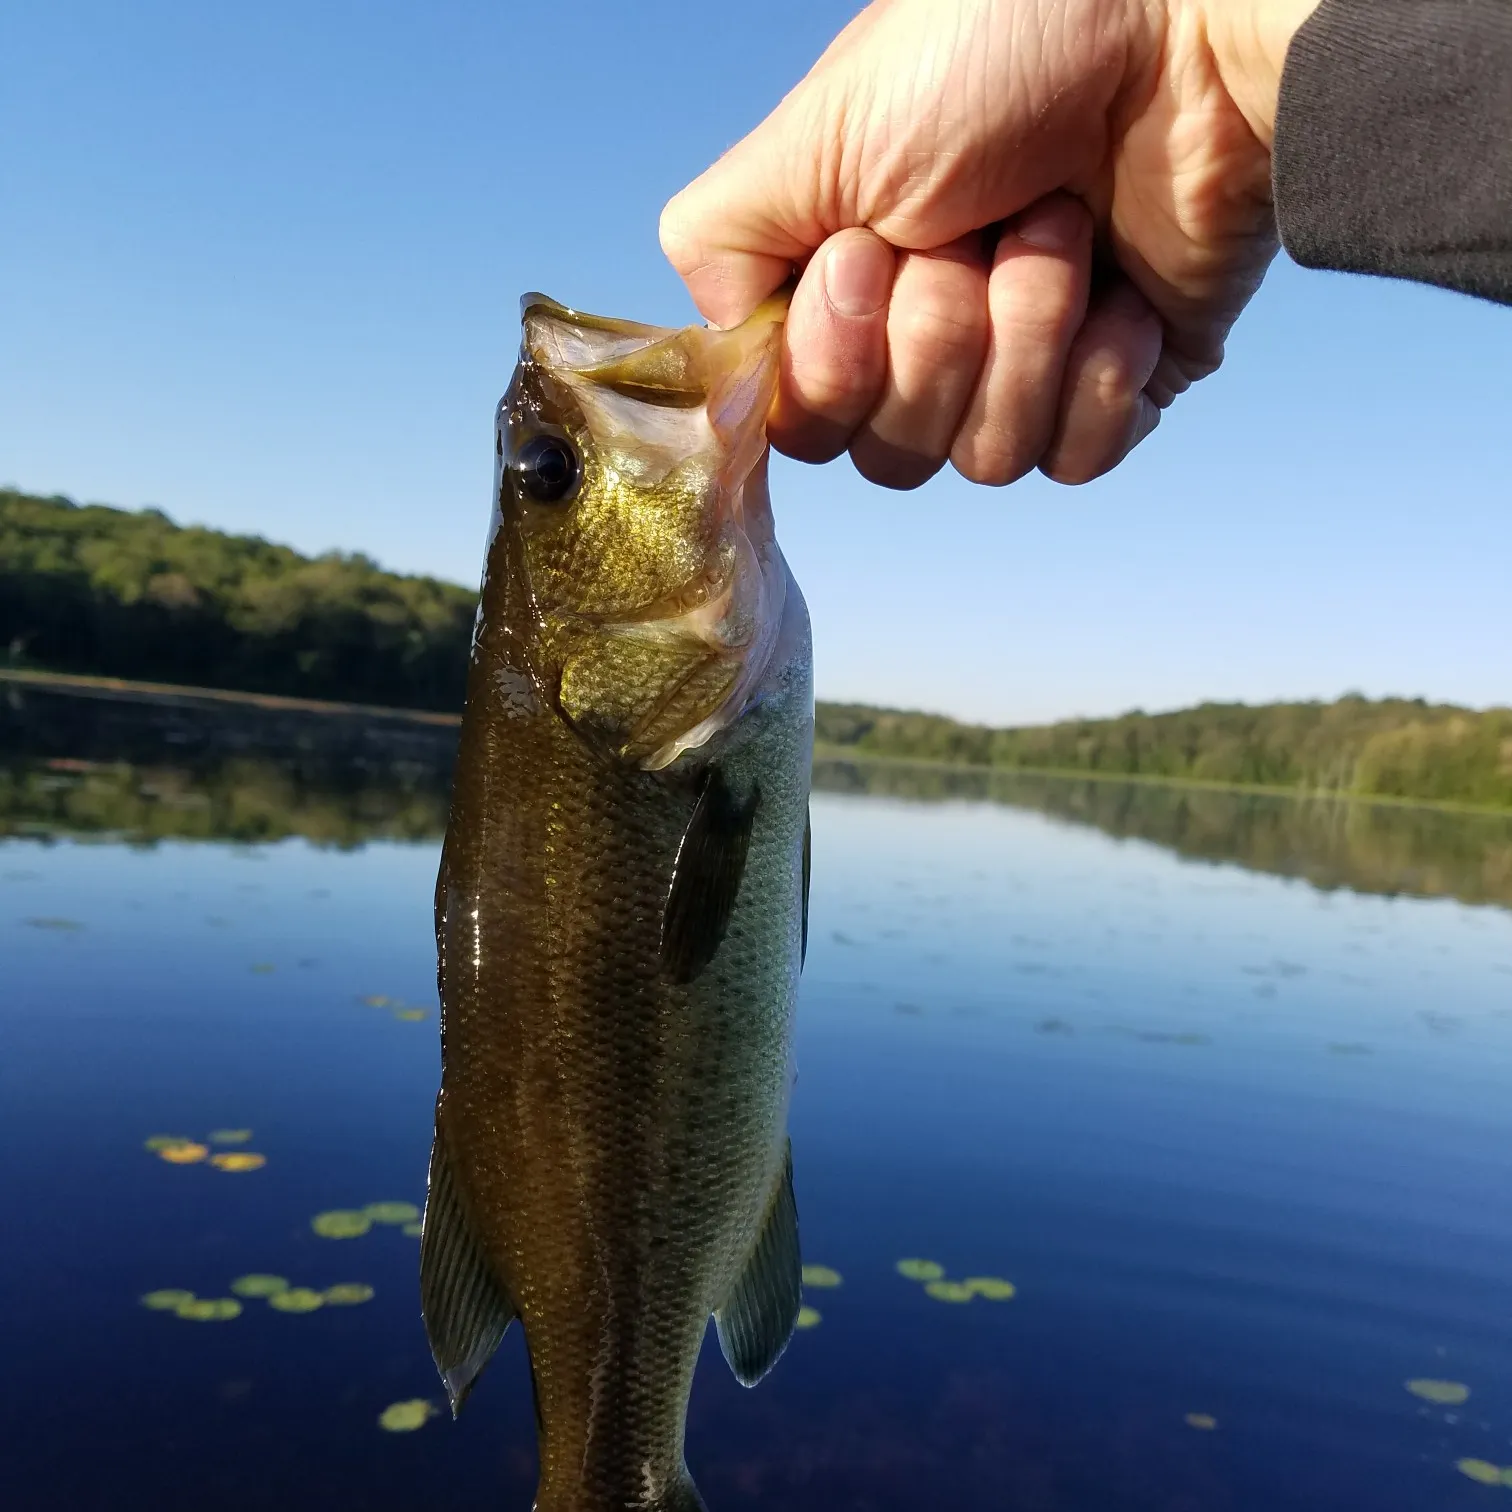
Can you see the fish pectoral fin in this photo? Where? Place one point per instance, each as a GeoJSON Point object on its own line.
{"type": "Point", "coordinates": [706, 878]}
{"type": "Point", "coordinates": [466, 1310]}
{"type": "Point", "coordinates": [760, 1314]}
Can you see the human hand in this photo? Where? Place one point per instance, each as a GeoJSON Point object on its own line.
{"type": "Point", "coordinates": [1025, 227]}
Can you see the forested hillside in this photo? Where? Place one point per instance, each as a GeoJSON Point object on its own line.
{"type": "Point", "coordinates": [105, 591]}
{"type": "Point", "coordinates": [102, 591]}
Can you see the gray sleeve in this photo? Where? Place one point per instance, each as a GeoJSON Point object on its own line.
{"type": "Point", "coordinates": [1393, 148]}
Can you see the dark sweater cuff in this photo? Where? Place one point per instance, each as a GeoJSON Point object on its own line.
{"type": "Point", "coordinates": [1393, 148]}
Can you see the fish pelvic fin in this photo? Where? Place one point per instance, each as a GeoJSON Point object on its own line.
{"type": "Point", "coordinates": [758, 1319]}
{"type": "Point", "coordinates": [465, 1307]}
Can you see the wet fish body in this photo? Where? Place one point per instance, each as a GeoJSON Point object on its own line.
{"type": "Point", "coordinates": [620, 910]}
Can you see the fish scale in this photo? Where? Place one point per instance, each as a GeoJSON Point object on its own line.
{"type": "Point", "coordinates": [620, 906]}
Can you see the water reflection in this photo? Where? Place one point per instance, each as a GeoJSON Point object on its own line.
{"type": "Point", "coordinates": [149, 771]}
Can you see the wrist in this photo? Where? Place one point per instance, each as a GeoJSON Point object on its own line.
{"type": "Point", "coordinates": [1249, 41]}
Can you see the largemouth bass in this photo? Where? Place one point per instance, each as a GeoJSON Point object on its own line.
{"type": "Point", "coordinates": [621, 910]}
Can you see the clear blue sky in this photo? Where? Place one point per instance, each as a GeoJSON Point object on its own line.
{"type": "Point", "coordinates": [260, 266]}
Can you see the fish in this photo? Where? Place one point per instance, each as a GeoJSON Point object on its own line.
{"type": "Point", "coordinates": [622, 904]}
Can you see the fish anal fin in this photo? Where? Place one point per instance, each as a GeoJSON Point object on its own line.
{"type": "Point", "coordinates": [706, 878]}
{"type": "Point", "coordinates": [466, 1309]}
{"type": "Point", "coordinates": [758, 1318]}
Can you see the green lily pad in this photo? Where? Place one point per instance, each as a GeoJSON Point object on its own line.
{"type": "Point", "coordinates": [405, 1417]}
{"type": "Point", "coordinates": [391, 1212]}
{"type": "Point", "coordinates": [921, 1270]}
{"type": "Point", "coordinates": [170, 1299]}
{"type": "Point", "coordinates": [993, 1288]}
{"type": "Point", "coordinates": [411, 1015]}
{"type": "Point", "coordinates": [166, 1142]}
{"type": "Point", "coordinates": [414, 1230]}
{"type": "Point", "coordinates": [1480, 1470]}
{"type": "Point", "coordinates": [259, 1285]}
{"type": "Point", "coordinates": [348, 1294]}
{"type": "Point", "coordinates": [808, 1317]}
{"type": "Point", "coordinates": [230, 1136]}
{"type": "Point", "coordinates": [297, 1299]}
{"type": "Point", "coordinates": [341, 1223]}
{"type": "Point", "coordinates": [1441, 1393]}
{"type": "Point", "coordinates": [1204, 1421]}
{"type": "Point", "coordinates": [820, 1276]}
{"type": "Point", "coordinates": [949, 1291]}
{"type": "Point", "coordinates": [210, 1309]}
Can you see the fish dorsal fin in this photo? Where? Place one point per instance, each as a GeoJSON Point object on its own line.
{"type": "Point", "coordinates": [465, 1308]}
{"type": "Point", "coordinates": [808, 852]}
{"type": "Point", "coordinates": [706, 878]}
{"type": "Point", "coordinates": [758, 1319]}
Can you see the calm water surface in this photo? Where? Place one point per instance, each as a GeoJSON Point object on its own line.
{"type": "Point", "coordinates": [1240, 1144]}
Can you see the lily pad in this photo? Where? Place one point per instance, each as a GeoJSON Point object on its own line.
{"type": "Point", "coordinates": [210, 1309]}
{"type": "Point", "coordinates": [993, 1288]}
{"type": "Point", "coordinates": [1480, 1470]}
{"type": "Point", "coordinates": [230, 1136]}
{"type": "Point", "coordinates": [414, 1230]}
{"type": "Point", "coordinates": [259, 1285]}
{"type": "Point", "coordinates": [348, 1294]}
{"type": "Point", "coordinates": [1202, 1420]}
{"type": "Point", "coordinates": [411, 1015]}
{"type": "Point", "coordinates": [808, 1317]}
{"type": "Point", "coordinates": [169, 1299]}
{"type": "Point", "coordinates": [183, 1154]}
{"type": "Point", "coordinates": [261, 968]}
{"type": "Point", "coordinates": [391, 1212]}
{"type": "Point", "coordinates": [820, 1276]}
{"type": "Point", "coordinates": [238, 1160]}
{"type": "Point", "coordinates": [160, 1142]}
{"type": "Point", "coordinates": [949, 1291]}
{"type": "Point", "coordinates": [378, 1001]}
{"type": "Point", "coordinates": [921, 1270]}
{"type": "Point", "coordinates": [341, 1223]}
{"type": "Point", "coordinates": [405, 1417]}
{"type": "Point", "coordinates": [297, 1299]}
{"type": "Point", "coordinates": [1441, 1393]}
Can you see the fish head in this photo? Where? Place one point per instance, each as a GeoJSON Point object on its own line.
{"type": "Point", "coordinates": [645, 584]}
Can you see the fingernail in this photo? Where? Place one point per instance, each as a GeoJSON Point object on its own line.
{"type": "Point", "coordinates": [1051, 228]}
{"type": "Point", "coordinates": [858, 277]}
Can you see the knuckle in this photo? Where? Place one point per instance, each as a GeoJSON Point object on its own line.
{"type": "Point", "coordinates": [943, 330]}
{"type": "Point", "coordinates": [990, 458]}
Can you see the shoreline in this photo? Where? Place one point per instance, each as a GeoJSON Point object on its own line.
{"type": "Point", "coordinates": [188, 696]}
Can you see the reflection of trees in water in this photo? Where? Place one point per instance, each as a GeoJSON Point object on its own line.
{"type": "Point", "coordinates": [186, 769]}
{"type": "Point", "coordinates": [1373, 848]}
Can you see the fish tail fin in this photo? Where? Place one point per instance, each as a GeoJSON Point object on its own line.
{"type": "Point", "coordinates": [679, 1495]}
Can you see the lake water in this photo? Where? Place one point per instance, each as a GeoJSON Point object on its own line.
{"type": "Point", "coordinates": [1241, 1141]}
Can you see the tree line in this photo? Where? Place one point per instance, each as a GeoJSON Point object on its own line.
{"type": "Point", "coordinates": [90, 589]}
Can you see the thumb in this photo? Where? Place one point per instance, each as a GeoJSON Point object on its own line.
{"type": "Point", "coordinates": [737, 231]}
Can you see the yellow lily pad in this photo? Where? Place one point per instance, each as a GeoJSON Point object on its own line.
{"type": "Point", "coordinates": [405, 1417]}
{"type": "Point", "coordinates": [348, 1294]}
{"type": "Point", "coordinates": [259, 1285]}
{"type": "Point", "coordinates": [377, 1000]}
{"type": "Point", "coordinates": [391, 1212]}
{"type": "Point", "coordinates": [183, 1154]}
{"type": "Point", "coordinates": [169, 1299]}
{"type": "Point", "coordinates": [414, 1230]}
{"type": "Point", "coordinates": [209, 1309]}
{"type": "Point", "coordinates": [1441, 1393]}
{"type": "Point", "coordinates": [341, 1223]}
{"type": "Point", "coordinates": [808, 1317]}
{"type": "Point", "coordinates": [949, 1291]}
{"type": "Point", "coordinates": [1203, 1420]}
{"type": "Point", "coordinates": [820, 1276]}
{"type": "Point", "coordinates": [238, 1160]}
{"type": "Point", "coordinates": [993, 1288]}
{"type": "Point", "coordinates": [297, 1299]}
{"type": "Point", "coordinates": [1480, 1470]}
{"type": "Point", "coordinates": [921, 1270]}
{"type": "Point", "coordinates": [230, 1136]}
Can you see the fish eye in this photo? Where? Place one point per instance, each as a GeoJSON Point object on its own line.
{"type": "Point", "coordinates": [546, 468]}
